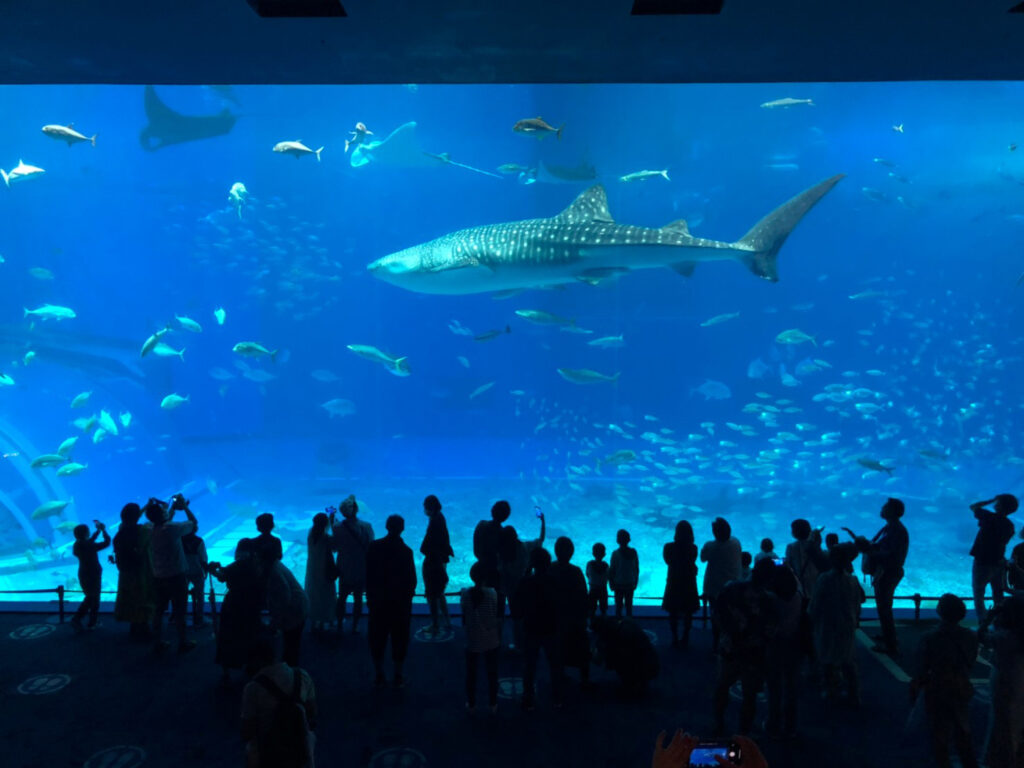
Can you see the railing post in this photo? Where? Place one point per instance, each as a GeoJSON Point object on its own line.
{"type": "Point", "coordinates": [60, 601]}
{"type": "Point", "coordinates": [917, 606]}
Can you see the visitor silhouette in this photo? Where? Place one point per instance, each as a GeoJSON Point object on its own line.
{"type": "Point", "coordinates": [681, 599]}
{"type": "Point", "coordinates": [390, 586]}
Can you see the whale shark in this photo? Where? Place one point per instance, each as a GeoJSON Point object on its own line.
{"type": "Point", "coordinates": [582, 243]}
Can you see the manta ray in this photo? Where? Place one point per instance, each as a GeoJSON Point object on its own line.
{"type": "Point", "coordinates": [167, 127]}
{"type": "Point", "coordinates": [582, 243]}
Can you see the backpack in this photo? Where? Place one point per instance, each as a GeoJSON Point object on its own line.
{"type": "Point", "coordinates": [287, 743]}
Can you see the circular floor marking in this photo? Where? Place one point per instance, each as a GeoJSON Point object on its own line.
{"type": "Point", "coordinates": [442, 636]}
{"type": "Point", "coordinates": [32, 631]}
{"type": "Point", "coordinates": [510, 688]}
{"type": "Point", "coordinates": [117, 757]}
{"type": "Point", "coordinates": [398, 757]}
{"type": "Point", "coordinates": [42, 684]}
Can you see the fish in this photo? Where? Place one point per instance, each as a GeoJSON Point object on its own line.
{"type": "Point", "coordinates": [358, 134]}
{"type": "Point", "coordinates": [541, 317]}
{"type": "Point", "coordinates": [166, 350]}
{"type": "Point", "coordinates": [67, 446]}
{"type": "Point", "coordinates": [85, 424]}
{"type": "Point", "coordinates": [480, 390]}
{"type": "Point", "coordinates": [68, 133]}
{"type": "Point", "coordinates": [399, 366]}
{"type": "Point", "coordinates": [6, 380]}
{"type": "Point", "coordinates": [714, 390]}
{"type": "Point", "coordinates": [873, 194]}
{"type": "Point", "coordinates": [296, 149]}
{"type": "Point", "coordinates": [150, 344]}
{"type": "Point", "coordinates": [51, 312]}
{"type": "Point", "coordinates": [165, 127]}
{"type": "Point", "coordinates": [565, 174]}
{"type": "Point", "coordinates": [644, 175]}
{"type": "Point", "coordinates": [617, 459]}
{"type": "Point", "coordinates": [787, 102]}
{"type": "Point", "coordinates": [220, 315]}
{"type": "Point", "coordinates": [41, 273]}
{"type": "Point", "coordinates": [71, 469]}
{"type": "Point", "coordinates": [252, 349]}
{"type": "Point", "coordinates": [50, 509]}
{"type": "Point", "coordinates": [258, 375]}
{"type": "Point", "coordinates": [237, 195]}
{"type": "Point", "coordinates": [125, 418]}
{"type": "Point", "coordinates": [464, 362]}
{"type": "Point", "coordinates": [510, 169]}
{"type": "Point", "coordinates": [794, 336]}
{"type": "Point", "coordinates": [883, 161]}
{"type": "Point", "coordinates": [189, 324]}
{"type": "Point", "coordinates": [720, 319]}
{"type": "Point", "coordinates": [898, 128]}
{"type": "Point", "coordinates": [581, 242]}
{"type": "Point", "coordinates": [67, 526]}
{"type": "Point", "coordinates": [323, 375]}
{"type": "Point", "coordinates": [21, 172]}
{"type": "Point", "coordinates": [875, 466]}
{"type": "Point", "coordinates": [220, 374]}
{"type": "Point", "coordinates": [106, 421]}
{"type": "Point", "coordinates": [47, 460]}
{"type": "Point", "coordinates": [173, 401]}
{"type": "Point", "coordinates": [586, 376]}
{"type": "Point", "coordinates": [537, 127]}
{"type": "Point", "coordinates": [492, 334]}
{"type": "Point", "coordinates": [608, 342]}
{"type": "Point", "coordinates": [339, 407]}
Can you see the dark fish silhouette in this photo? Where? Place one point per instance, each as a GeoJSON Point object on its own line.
{"type": "Point", "coordinates": [167, 127]}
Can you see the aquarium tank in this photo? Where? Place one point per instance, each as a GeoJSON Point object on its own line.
{"type": "Point", "coordinates": [618, 305]}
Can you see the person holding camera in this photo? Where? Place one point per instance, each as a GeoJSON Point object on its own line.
{"type": "Point", "coordinates": [989, 551]}
{"type": "Point", "coordinates": [90, 572]}
{"type": "Point", "coordinates": [170, 568]}
{"type": "Point", "coordinates": [884, 557]}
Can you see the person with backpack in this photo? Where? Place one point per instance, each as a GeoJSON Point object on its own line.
{"type": "Point", "coordinates": [624, 574]}
{"type": "Point", "coordinates": [351, 539]}
{"type": "Point", "coordinates": [279, 713]}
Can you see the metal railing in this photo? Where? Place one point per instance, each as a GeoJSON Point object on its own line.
{"type": "Point", "coordinates": [61, 591]}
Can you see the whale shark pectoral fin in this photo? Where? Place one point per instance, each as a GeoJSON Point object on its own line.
{"type": "Point", "coordinates": [590, 206]}
{"type": "Point", "coordinates": [684, 268]}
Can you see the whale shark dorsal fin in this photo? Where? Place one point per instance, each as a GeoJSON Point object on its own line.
{"type": "Point", "coordinates": [591, 205]}
{"type": "Point", "coordinates": [679, 227]}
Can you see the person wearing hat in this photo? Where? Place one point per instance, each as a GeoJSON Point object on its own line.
{"type": "Point", "coordinates": [351, 540]}
{"type": "Point", "coordinates": [945, 657]}
{"type": "Point", "coordinates": [887, 553]}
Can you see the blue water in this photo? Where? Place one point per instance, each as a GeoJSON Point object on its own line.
{"type": "Point", "coordinates": [132, 238]}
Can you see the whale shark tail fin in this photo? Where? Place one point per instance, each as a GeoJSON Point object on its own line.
{"type": "Point", "coordinates": [760, 246]}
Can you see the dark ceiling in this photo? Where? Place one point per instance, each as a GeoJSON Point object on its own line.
{"type": "Point", "coordinates": [443, 41]}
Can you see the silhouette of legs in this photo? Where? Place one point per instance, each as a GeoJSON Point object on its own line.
{"type": "Point", "coordinates": [885, 589]}
{"type": "Point", "coordinates": [982, 576]}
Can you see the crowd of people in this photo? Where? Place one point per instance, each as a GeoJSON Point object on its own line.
{"type": "Point", "coordinates": [776, 622]}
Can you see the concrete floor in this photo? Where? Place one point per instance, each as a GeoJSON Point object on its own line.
{"type": "Point", "coordinates": [173, 709]}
